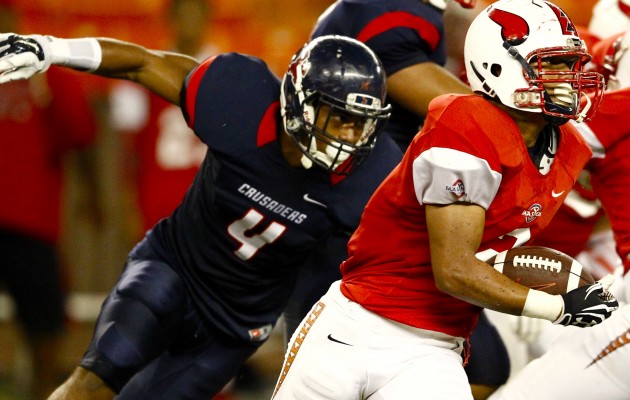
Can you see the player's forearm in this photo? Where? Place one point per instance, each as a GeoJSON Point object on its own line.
{"type": "Point", "coordinates": [476, 282]}
{"type": "Point", "coordinates": [161, 72]}
{"type": "Point", "coordinates": [410, 89]}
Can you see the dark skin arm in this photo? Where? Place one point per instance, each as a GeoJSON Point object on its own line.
{"type": "Point", "coordinates": [161, 72]}
{"type": "Point", "coordinates": [455, 233]}
{"type": "Point", "coordinates": [415, 86]}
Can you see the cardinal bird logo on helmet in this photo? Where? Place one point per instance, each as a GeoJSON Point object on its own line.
{"type": "Point", "coordinates": [514, 29]}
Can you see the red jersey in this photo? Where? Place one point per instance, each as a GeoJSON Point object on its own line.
{"type": "Point", "coordinates": [41, 119]}
{"type": "Point", "coordinates": [573, 224]}
{"type": "Point", "coordinates": [470, 151]}
{"type": "Point", "coordinates": [609, 172]}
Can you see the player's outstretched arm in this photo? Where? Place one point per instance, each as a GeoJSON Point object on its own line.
{"type": "Point", "coordinates": [161, 72]}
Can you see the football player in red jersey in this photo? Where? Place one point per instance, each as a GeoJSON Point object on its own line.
{"type": "Point", "coordinates": [289, 164]}
{"type": "Point", "coordinates": [413, 39]}
{"type": "Point", "coordinates": [609, 137]}
{"type": "Point", "coordinates": [486, 173]}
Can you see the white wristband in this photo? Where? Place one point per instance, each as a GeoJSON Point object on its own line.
{"type": "Point", "coordinates": [82, 54]}
{"type": "Point", "coordinates": [539, 304]}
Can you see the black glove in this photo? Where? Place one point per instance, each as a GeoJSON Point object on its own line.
{"type": "Point", "coordinates": [587, 306]}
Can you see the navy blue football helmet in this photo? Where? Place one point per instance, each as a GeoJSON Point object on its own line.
{"type": "Point", "coordinates": [346, 76]}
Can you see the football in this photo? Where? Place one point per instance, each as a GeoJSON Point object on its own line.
{"type": "Point", "coordinates": [542, 268]}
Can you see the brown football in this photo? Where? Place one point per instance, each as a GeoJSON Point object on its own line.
{"type": "Point", "coordinates": [542, 268]}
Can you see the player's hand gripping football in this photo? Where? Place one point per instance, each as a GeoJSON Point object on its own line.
{"type": "Point", "coordinates": [588, 305]}
{"type": "Point", "coordinates": [22, 56]}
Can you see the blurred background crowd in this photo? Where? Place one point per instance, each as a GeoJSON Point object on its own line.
{"type": "Point", "coordinates": [116, 146]}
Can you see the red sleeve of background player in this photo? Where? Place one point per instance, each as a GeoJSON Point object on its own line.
{"type": "Point", "coordinates": [610, 123]}
{"type": "Point", "coordinates": [600, 49]}
{"type": "Point", "coordinates": [610, 178]}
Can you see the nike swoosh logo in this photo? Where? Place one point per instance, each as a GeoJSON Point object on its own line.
{"type": "Point", "coordinates": [554, 194]}
{"type": "Point", "coordinates": [311, 200]}
{"type": "Point", "coordinates": [332, 339]}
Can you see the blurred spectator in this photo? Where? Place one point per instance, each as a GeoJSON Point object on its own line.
{"type": "Point", "coordinates": [40, 121]}
{"type": "Point", "coordinates": [164, 153]}
{"type": "Point", "coordinates": [610, 17]}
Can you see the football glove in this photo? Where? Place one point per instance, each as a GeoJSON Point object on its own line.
{"type": "Point", "coordinates": [22, 56]}
{"type": "Point", "coordinates": [588, 305]}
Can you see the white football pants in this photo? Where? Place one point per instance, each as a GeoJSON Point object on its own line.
{"type": "Point", "coordinates": [581, 364]}
{"type": "Point", "coordinates": [341, 351]}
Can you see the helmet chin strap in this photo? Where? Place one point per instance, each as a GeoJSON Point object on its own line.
{"type": "Point", "coordinates": [566, 98]}
{"type": "Point", "coordinates": [307, 163]}
{"type": "Point", "coordinates": [305, 160]}
{"type": "Point", "coordinates": [586, 108]}
{"type": "Point", "coordinates": [328, 157]}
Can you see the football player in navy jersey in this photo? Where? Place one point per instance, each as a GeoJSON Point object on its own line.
{"type": "Point", "coordinates": [202, 291]}
{"type": "Point", "coordinates": [408, 37]}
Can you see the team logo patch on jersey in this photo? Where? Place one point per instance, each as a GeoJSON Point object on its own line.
{"type": "Point", "coordinates": [533, 212]}
{"type": "Point", "coordinates": [458, 189]}
{"type": "Point", "coordinates": [260, 334]}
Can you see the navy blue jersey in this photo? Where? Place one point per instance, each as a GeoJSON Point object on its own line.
{"type": "Point", "coordinates": [401, 33]}
{"type": "Point", "coordinates": [249, 219]}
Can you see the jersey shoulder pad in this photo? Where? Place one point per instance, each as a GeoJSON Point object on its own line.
{"type": "Point", "coordinates": [228, 97]}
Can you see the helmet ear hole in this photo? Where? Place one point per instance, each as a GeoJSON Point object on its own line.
{"type": "Point", "coordinates": [496, 70]}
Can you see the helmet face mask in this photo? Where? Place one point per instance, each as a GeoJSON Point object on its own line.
{"type": "Point", "coordinates": [325, 115]}
{"type": "Point", "coordinates": [332, 81]}
{"type": "Point", "coordinates": [556, 89]}
{"type": "Point", "coordinates": [512, 51]}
